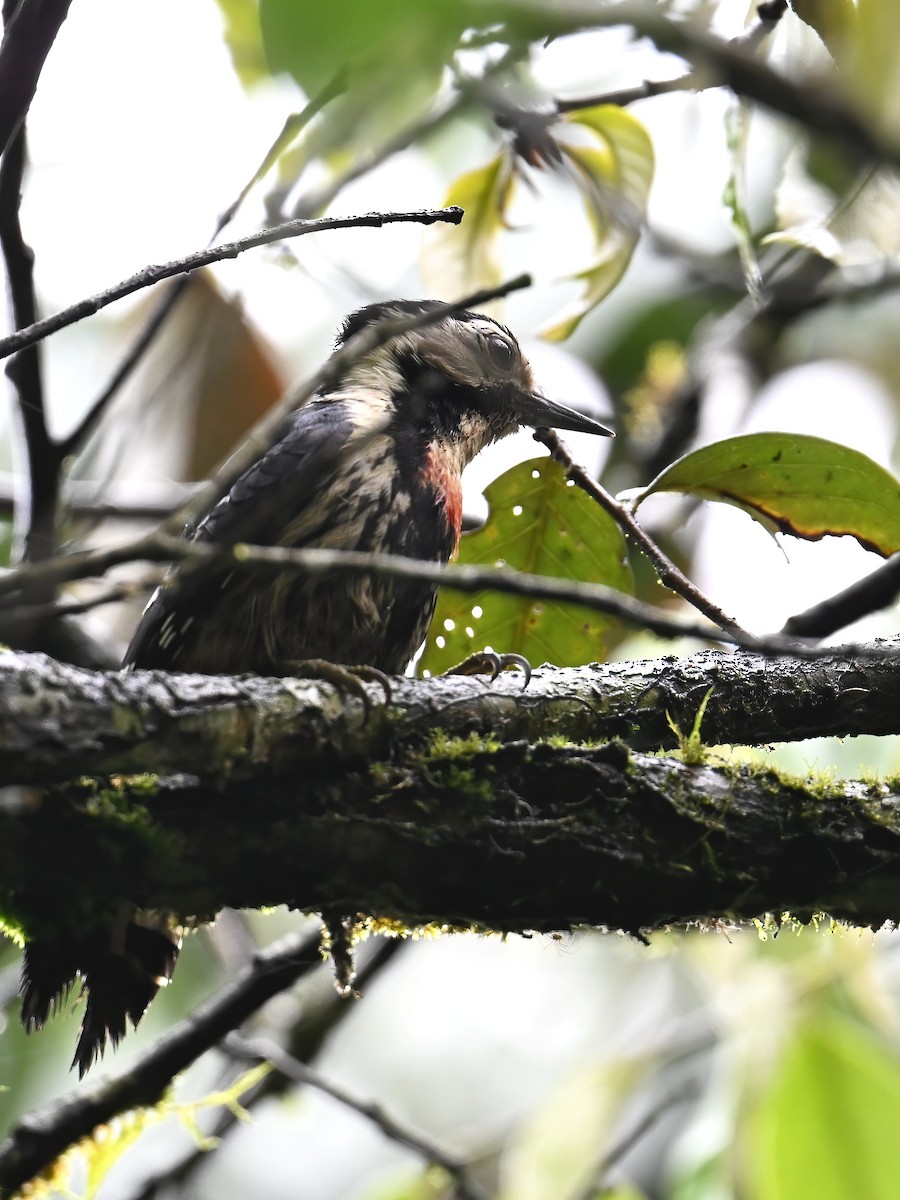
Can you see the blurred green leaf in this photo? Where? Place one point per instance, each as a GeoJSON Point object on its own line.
{"type": "Point", "coordinates": [459, 260]}
{"type": "Point", "coordinates": [243, 38]}
{"type": "Point", "coordinates": [802, 485]}
{"type": "Point", "coordinates": [874, 67]}
{"type": "Point", "coordinates": [833, 20]}
{"type": "Point", "coordinates": [538, 523]}
{"type": "Point", "coordinates": [614, 179]}
{"type": "Point", "coordinates": [826, 1128]}
{"type": "Point", "coordinates": [560, 1148]}
{"type": "Point", "coordinates": [432, 1184]}
{"type": "Point", "coordinates": [394, 39]}
{"type": "Point", "coordinates": [5, 542]}
{"type": "Point", "coordinates": [669, 319]}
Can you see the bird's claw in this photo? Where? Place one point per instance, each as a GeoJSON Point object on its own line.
{"type": "Point", "coordinates": [344, 678]}
{"type": "Point", "coordinates": [488, 662]}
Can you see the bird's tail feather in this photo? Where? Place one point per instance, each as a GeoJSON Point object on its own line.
{"type": "Point", "coordinates": [120, 976]}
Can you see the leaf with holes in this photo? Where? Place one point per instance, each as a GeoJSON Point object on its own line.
{"type": "Point", "coordinates": [802, 485]}
{"type": "Point", "coordinates": [541, 524]}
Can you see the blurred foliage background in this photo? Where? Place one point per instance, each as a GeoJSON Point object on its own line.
{"type": "Point", "coordinates": [704, 267]}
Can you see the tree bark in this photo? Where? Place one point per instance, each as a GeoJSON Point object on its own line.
{"type": "Point", "coordinates": [456, 803]}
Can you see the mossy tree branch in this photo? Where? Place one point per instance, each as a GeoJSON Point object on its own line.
{"type": "Point", "coordinates": [449, 804]}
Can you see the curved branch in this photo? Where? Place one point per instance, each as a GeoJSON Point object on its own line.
{"type": "Point", "coordinates": [42, 1136]}
{"type": "Point", "coordinates": [39, 330]}
{"type": "Point", "coordinates": [812, 104]}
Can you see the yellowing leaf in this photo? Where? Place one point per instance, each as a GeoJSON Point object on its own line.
{"type": "Point", "coordinates": [539, 524]}
{"type": "Point", "coordinates": [833, 20]}
{"type": "Point", "coordinates": [802, 485]}
{"type": "Point", "coordinates": [874, 70]}
{"type": "Point", "coordinates": [460, 260]}
{"type": "Point", "coordinates": [243, 38]}
{"type": "Point", "coordinates": [614, 178]}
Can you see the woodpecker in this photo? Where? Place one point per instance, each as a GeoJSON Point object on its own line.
{"type": "Point", "coordinates": [372, 464]}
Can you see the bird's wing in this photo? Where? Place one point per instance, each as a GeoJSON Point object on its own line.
{"type": "Point", "coordinates": [277, 486]}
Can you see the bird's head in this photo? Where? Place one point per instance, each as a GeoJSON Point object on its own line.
{"type": "Point", "coordinates": [461, 381]}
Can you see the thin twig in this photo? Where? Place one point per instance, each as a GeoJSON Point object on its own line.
{"type": "Point", "coordinates": [85, 427]}
{"type": "Point", "coordinates": [419, 131]}
{"type": "Point", "coordinates": [166, 304]}
{"type": "Point", "coordinates": [875, 591]}
{"type": "Point", "coordinates": [42, 1136]}
{"type": "Point", "coordinates": [265, 1050]}
{"type": "Point", "coordinates": [728, 64]}
{"type": "Point", "coordinates": [667, 572]}
{"type": "Point", "coordinates": [203, 258]}
{"type": "Point", "coordinates": [53, 610]}
{"type": "Point", "coordinates": [641, 91]}
{"type": "Point", "coordinates": [160, 547]}
{"type": "Point", "coordinates": [768, 16]}
{"type": "Point", "coordinates": [597, 1185]}
{"type": "Point", "coordinates": [315, 1023]}
{"type": "Point", "coordinates": [35, 534]}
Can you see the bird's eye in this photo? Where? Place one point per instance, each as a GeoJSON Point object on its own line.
{"type": "Point", "coordinates": [501, 352]}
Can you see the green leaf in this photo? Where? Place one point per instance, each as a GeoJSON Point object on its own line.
{"type": "Point", "coordinates": [833, 20]}
{"type": "Point", "coordinates": [802, 485]}
{"type": "Point", "coordinates": [538, 523]}
{"type": "Point", "coordinates": [456, 261]}
{"type": "Point", "coordinates": [398, 40]}
{"type": "Point", "coordinates": [827, 1126]}
{"type": "Point", "coordinates": [614, 175]}
{"type": "Point", "coordinates": [390, 58]}
{"type": "Point", "coordinates": [243, 38]}
{"type": "Point", "coordinates": [874, 71]}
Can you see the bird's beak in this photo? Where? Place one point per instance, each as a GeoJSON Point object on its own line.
{"type": "Point", "coordinates": [540, 413]}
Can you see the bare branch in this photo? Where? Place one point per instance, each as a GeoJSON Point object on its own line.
{"type": "Point", "coordinates": [38, 514]}
{"type": "Point", "coordinates": [669, 575]}
{"type": "Point", "coordinates": [160, 547]}
{"type": "Point", "coordinates": [818, 108]}
{"type": "Point", "coordinates": [879, 589]}
{"type": "Point", "coordinates": [203, 258]}
{"type": "Point", "coordinates": [42, 1136]}
{"type": "Point", "coordinates": [27, 39]}
{"type": "Point", "coordinates": [317, 1019]}
{"type": "Point", "coordinates": [167, 303]}
{"type": "Point", "coordinates": [258, 1049]}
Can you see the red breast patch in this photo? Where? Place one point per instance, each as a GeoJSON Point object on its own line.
{"type": "Point", "coordinates": [441, 475]}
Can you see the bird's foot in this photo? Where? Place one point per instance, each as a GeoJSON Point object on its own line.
{"type": "Point", "coordinates": [344, 678]}
{"type": "Point", "coordinates": [487, 662]}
